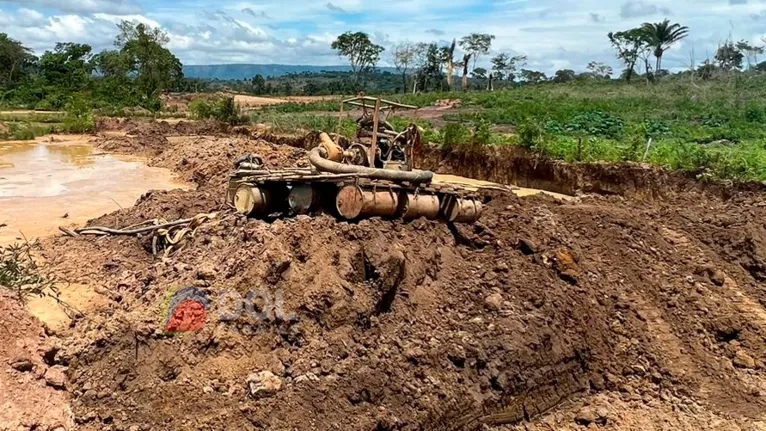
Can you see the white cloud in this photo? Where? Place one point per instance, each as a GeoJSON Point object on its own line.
{"type": "Point", "coordinates": [552, 33]}
{"type": "Point", "coordinates": [79, 6]}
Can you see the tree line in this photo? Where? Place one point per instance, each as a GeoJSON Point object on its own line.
{"type": "Point", "coordinates": [429, 66]}
{"type": "Point", "coordinates": [134, 73]}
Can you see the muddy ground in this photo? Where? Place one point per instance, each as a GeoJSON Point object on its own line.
{"type": "Point", "coordinates": [614, 312]}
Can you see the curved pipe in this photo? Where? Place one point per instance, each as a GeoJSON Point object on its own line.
{"type": "Point", "coordinates": [316, 157]}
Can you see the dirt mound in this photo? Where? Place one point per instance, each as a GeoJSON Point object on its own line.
{"type": "Point", "coordinates": [139, 127]}
{"type": "Point", "coordinates": [606, 311]}
{"type": "Point", "coordinates": [32, 392]}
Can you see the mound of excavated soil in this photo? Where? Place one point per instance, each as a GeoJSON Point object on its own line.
{"type": "Point", "coordinates": [606, 312]}
{"type": "Point", "coordinates": [32, 393]}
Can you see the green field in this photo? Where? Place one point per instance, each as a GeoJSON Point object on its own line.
{"type": "Point", "coordinates": [714, 130]}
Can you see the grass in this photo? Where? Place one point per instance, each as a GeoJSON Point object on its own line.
{"type": "Point", "coordinates": [714, 129]}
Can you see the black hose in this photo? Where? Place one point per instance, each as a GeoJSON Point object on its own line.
{"type": "Point", "coordinates": [317, 159]}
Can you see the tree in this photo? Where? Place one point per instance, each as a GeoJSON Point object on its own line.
{"type": "Point", "coordinates": [751, 52]}
{"type": "Point", "coordinates": [155, 68]}
{"type": "Point", "coordinates": [360, 51]}
{"type": "Point", "coordinates": [533, 76]}
{"type": "Point", "coordinates": [504, 66]}
{"type": "Point", "coordinates": [464, 64]}
{"type": "Point", "coordinates": [564, 75]}
{"type": "Point", "coordinates": [15, 60]}
{"type": "Point", "coordinates": [479, 73]}
{"type": "Point", "coordinates": [448, 53]}
{"type": "Point", "coordinates": [661, 36]}
{"type": "Point", "coordinates": [67, 68]}
{"type": "Point", "coordinates": [259, 84]}
{"type": "Point", "coordinates": [404, 56]}
{"type": "Point", "coordinates": [728, 56]}
{"type": "Point", "coordinates": [761, 67]}
{"type": "Point", "coordinates": [600, 70]}
{"type": "Point", "coordinates": [476, 44]}
{"type": "Point", "coordinates": [629, 44]}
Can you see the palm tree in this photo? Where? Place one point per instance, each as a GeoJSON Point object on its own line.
{"type": "Point", "coordinates": [663, 35]}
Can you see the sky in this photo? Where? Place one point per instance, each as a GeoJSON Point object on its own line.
{"type": "Point", "coordinates": [553, 34]}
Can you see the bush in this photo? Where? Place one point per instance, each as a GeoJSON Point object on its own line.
{"type": "Point", "coordinates": [482, 133]}
{"type": "Point", "coordinates": [755, 114]}
{"type": "Point", "coordinates": [454, 134]}
{"type": "Point", "coordinates": [596, 123]}
{"type": "Point", "coordinates": [79, 115]}
{"type": "Point", "coordinates": [223, 109]}
{"type": "Point", "coordinates": [530, 134]}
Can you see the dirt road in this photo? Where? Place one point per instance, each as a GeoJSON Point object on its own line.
{"type": "Point", "coordinates": [606, 312]}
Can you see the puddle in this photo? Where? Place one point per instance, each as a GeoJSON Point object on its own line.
{"type": "Point", "coordinates": [63, 181]}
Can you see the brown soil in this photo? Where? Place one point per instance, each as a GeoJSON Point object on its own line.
{"type": "Point", "coordinates": [30, 395]}
{"type": "Point", "coordinates": [608, 312]}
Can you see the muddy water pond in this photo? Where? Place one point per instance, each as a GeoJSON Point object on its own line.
{"type": "Point", "coordinates": [64, 181]}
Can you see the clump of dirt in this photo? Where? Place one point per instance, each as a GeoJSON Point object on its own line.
{"type": "Point", "coordinates": [607, 311]}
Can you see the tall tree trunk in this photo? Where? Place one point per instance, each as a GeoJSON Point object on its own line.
{"type": "Point", "coordinates": [450, 74]}
{"type": "Point", "coordinates": [465, 76]}
{"type": "Point", "coordinates": [490, 87]}
{"type": "Point", "coordinates": [657, 67]}
{"type": "Point", "coordinates": [404, 81]}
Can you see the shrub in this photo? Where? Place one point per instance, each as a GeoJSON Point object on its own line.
{"type": "Point", "coordinates": [596, 123]}
{"type": "Point", "coordinates": [482, 133]}
{"type": "Point", "coordinates": [79, 115]}
{"type": "Point", "coordinates": [530, 134]}
{"type": "Point", "coordinates": [454, 134]}
{"type": "Point", "coordinates": [755, 114]}
{"type": "Point", "coordinates": [223, 109]}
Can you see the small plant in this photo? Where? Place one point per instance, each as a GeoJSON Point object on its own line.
{"type": "Point", "coordinates": [22, 274]}
{"type": "Point", "coordinates": [655, 128]}
{"type": "Point", "coordinates": [530, 134]}
{"type": "Point", "coordinates": [482, 133]}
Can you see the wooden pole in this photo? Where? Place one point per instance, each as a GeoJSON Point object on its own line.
{"type": "Point", "coordinates": [374, 144]}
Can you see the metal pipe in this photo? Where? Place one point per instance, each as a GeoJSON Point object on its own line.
{"type": "Point", "coordinates": [322, 164]}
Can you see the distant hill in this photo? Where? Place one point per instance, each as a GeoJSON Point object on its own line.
{"type": "Point", "coordinates": [247, 71]}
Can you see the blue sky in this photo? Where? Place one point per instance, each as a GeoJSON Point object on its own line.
{"type": "Point", "coordinates": [554, 34]}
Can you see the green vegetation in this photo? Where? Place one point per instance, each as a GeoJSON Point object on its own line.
{"type": "Point", "coordinates": [222, 109]}
{"type": "Point", "coordinates": [21, 274]}
{"type": "Point", "coordinates": [714, 129]}
{"type": "Point", "coordinates": [134, 74]}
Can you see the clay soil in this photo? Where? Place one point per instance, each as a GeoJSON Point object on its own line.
{"type": "Point", "coordinates": [608, 312]}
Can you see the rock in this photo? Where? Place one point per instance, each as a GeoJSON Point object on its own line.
{"type": "Point", "coordinates": [207, 390]}
{"type": "Point", "coordinates": [55, 377]}
{"type": "Point", "coordinates": [527, 246]}
{"type": "Point", "coordinates": [502, 267]}
{"type": "Point", "coordinates": [22, 363]}
{"type": "Point", "coordinates": [308, 377]}
{"type": "Point", "coordinates": [586, 416]}
{"type": "Point", "coordinates": [591, 415]}
{"type": "Point", "coordinates": [743, 360]}
{"type": "Point", "coordinates": [263, 384]}
{"type": "Point", "coordinates": [206, 271]}
{"type": "Point", "coordinates": [494, 302]}
{"type": "Point", "coordinates": [718, 277]}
